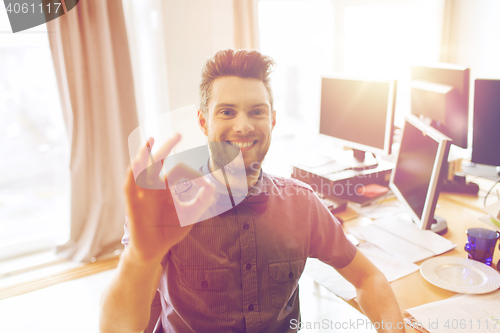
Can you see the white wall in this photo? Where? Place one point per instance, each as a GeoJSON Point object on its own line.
{"type": "Point", "coordinates": [194, 31]}
{"type": "Point", "coordinates": [475, 37]}
{"type": "Point", "coordinates": [170, 41]}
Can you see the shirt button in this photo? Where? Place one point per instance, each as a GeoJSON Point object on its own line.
{"type": "Point", "coordinates": [248, 266]}
{"type": "Point", "coordinates": [290, 275]}
{"type": "Point", "coordinates": [204, 284]}
{"type": "Point", "coordinates": [250, 307]}
{"type": "Point", "coordinates": [246, 226]}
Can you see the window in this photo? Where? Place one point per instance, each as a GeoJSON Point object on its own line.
{"type": "Point", "coordinates": [312, 38]}
{"type": "Point", "coordinates": [34, 149]}
{"type": "Point", "coordinates": [299, 36]}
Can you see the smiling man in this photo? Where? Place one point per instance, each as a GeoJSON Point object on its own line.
{"type": "Point", "coordinates": [237, 110]}
{"type": "Point", "coordinates": [237, 271]}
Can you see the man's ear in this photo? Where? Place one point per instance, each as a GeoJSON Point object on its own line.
{"type": "Point", "coordinates": [273, 120]}
{"type": "Point", "coordinates": [202, 122]}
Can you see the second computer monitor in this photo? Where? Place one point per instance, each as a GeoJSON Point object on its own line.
{"type": "Point", "coordinates": [416, 177]}
{"type": "Point", "coordinates": [440, 93]}
{"type": "Point", "coordinates": [486, 124]}
{"type": "Point", "coordinates": [359, 113]}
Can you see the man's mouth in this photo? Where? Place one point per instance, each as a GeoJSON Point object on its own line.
{"type": "Point", "coordinates": [242, 144]}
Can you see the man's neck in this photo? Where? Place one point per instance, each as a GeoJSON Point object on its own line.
{"type": "Point", "coordinates": [236, 181]}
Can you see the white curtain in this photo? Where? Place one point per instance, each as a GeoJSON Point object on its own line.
{"type": "Point", "coordinates": [246, 33]}
{"type": "Point", "coordinates": [92, 63]}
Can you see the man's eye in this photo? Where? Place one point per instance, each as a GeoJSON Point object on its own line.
{"type": "Point", "coordinates": [258, 112]}
{"type": "Point", "coordinates": [225, 112]}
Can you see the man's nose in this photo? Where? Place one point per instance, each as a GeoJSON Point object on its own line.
{"type": "Point", "coordinates": [243, 124]}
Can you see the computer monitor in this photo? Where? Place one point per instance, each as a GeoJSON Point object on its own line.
{"type": "Point", "coordinates": [416, 177]}
{"type": "Point", "coordinates": [440, 93]}
{"type": "Point", "coordinates": [486, 123]}
{"type": "Point", "coordinates": [359, 113]}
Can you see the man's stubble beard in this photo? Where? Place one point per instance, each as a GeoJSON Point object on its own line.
{"type": "Point", "coordinates": [224, 155]}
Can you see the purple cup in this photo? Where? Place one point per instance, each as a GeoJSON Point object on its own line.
{"type": "Point", "coordinates": [481, 244]}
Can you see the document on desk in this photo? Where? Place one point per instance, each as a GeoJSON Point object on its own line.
{"type": "Point", "coordinates": [490, 221]}
{"type": "Point", "coordinates": [329, 278]}
{"type": "Point", "coordinates": [493, 217]}
{"type": "Point", "coordinates": [392, 267]}
{"type": "Point", "coordinates": [402, 238]}
{"type": "Point", "coordinates": [461, 313]}
{"type": "Point", "coordinates": [386, 206]}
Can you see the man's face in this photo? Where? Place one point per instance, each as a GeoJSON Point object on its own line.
{"type": "Point", "coordinates": [239, 116]}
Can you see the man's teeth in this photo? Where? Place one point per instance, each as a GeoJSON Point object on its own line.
{"type": "Point", "coordinates": [241, 144]}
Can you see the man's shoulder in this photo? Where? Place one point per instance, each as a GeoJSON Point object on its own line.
{"type": "Point", "coordinates": [288, 182]}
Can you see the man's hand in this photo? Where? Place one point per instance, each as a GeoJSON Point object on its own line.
{"type": "Point", "coordinates": [375, 296]}
{"type": "Point", "coordinates": [153, 212]}
{"type": "Point", "coordinates": [153, 225]}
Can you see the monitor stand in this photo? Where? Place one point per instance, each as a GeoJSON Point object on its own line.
{"type": "Point", "coordinates": [357, 160]}
{"type": "Point", "coordinates": [481, 170]}
{"type": "Point", "coordinates": [439, 225]}
{"type": "Point", "coordinates": [459, 185]}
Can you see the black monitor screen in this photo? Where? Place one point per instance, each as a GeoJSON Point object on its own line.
{"type": "Point", "coordinates": [415, 165]}
{"type": "Point", "coordinates": [486, 124]}
{"type": "Point", "coordinates": [359, 112]}
{"type": "Point", "coordinates": [448, 109]}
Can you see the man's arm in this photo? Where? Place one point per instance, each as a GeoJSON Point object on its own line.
{"type": "Point", "coordinates": [154, 228]}
{"type": "Point", "coordinates": [126, 303]}
{"type": "Point", "coordinates": [375, 296]}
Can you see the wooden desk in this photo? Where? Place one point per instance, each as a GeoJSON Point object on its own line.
{"type": "Point", "coordinates": [461, 213]}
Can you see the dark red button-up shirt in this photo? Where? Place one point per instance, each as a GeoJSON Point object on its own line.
{"type": "Point", "coordinates": [239, 271]}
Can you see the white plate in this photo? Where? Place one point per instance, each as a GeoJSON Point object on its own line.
{"type": "Point", "coordinates": [460, 275]}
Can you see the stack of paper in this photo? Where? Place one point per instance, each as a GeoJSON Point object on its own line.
{"type": "Point", "coordinates": [402, 238]}
{"type": "Point", "coordinates": [461, 313]}
{"type": "Point", "coordinates": [493, 217]}
{"type": "Point", "coordinates": [392, 267]}
{"type": "Point", "coordinates": [392, 244]}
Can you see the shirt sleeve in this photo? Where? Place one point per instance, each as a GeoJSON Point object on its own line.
{"type": "Point", "coordinates": [328, 242]}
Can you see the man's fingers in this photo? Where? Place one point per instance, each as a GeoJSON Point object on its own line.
{"type": "Point", "coordinates": [167, 147]}
{"type": "Point", "coordinates": [145, 158]}
{"type": "Point", "coordinates": [129, 179]}
{"type": "Point", "coordinates": [205, 182]}
{"type": "Point", "coordinates": [181, 172]}
{"type": "Point", "coordinates": [204, 197]}
{"type": "Point", "coordinates": [141, 161]}
{"type": "Point", "coordinates": [145, 154]}
{"type": "Point", "coordinates": [190, 212]}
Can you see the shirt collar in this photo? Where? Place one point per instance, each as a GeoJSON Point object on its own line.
{"type": "Point", "coordinates": [221, 188]}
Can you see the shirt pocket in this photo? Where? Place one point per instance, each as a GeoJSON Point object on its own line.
{"type": "Point", "coordinates": [284, 280]}
{"type": "Point", "coordinates": [206, 288]}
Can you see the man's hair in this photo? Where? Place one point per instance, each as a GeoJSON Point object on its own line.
{"type": "Point", "coordinates": [240, 63]}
